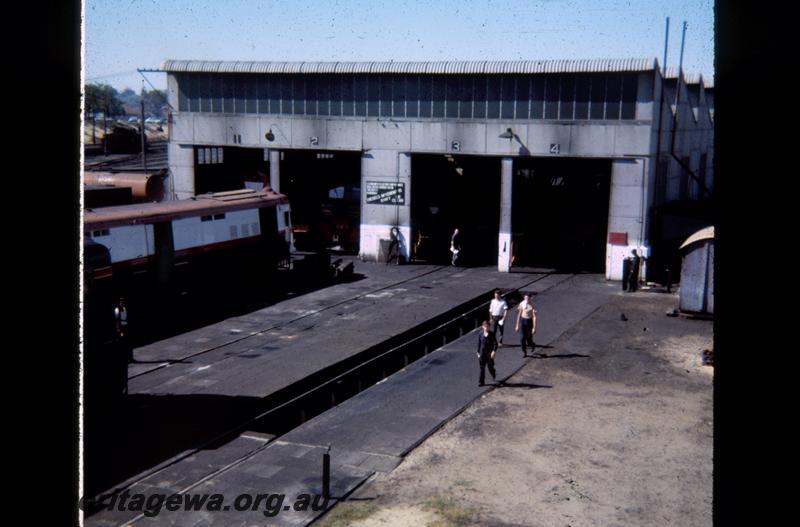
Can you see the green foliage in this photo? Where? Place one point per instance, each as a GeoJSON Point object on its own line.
{"type": "Point", "coordinates": [129, 97]}
{"type": "Point", "coordinates": [346, 513]}
{"type": "Point", "coordinates": [154, 101]}
{"type": "Point", "coordinates": [102, 98]}
{"type": "Point", "coordinates": [450, 512]}
{"type": "Point", "coordinates": [98, 96]}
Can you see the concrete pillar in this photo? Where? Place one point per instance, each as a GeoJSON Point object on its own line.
{"type": "Point", "coordinates": [385, 201]}
{"type": "Point", "coordinates": [627, 213]}
{"type": "Point", "coordinates": [275, 170]}
{"type": "Point", "coordinates": [504, 238]}
{"type": "Point", "coordinates": [181, 170]}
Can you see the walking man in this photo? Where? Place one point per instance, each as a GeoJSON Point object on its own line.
{"type": "Point", "coordinates": [455, 246]}
{"type": "Point", "coordinates": [394, 246]}
{"type": "Point", "coordinates": [121, 321]}
{"type": "Point", "coordinates": [486, 351]}
{"type": "Point", "coordinates": [498, 309]}
{"type": "Point", "coordinates": [526, 322]}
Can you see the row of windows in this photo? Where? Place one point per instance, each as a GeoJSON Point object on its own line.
{"type": "Point", "coordinates": [209, 156]}
{"type": "Point", "coordinates": [214, 217]}
{"type": "Point", "coordinates": [562, 97]}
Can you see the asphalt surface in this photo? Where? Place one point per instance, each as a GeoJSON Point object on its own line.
{"type": "Point", "coordinates": [187, 390]}
{"type": "Point", "coordinates": [372, 431]}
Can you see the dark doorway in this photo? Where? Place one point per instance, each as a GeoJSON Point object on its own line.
{"type": "Point", "coordinates": [218, 169]}
{"type": "Point", "coordinates": [324, 189]}
{"type": "Point", "coordinates": [449, 192]}
{"type": "Point", "coordinates": [560, 213]}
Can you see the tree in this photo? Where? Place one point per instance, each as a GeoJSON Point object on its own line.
{"type": "Point", "coordinates": [102, 98]}
{"type": "Point", "coordinates": [129, 97]}
{"type": "Point", "coordinates": [154, 101]}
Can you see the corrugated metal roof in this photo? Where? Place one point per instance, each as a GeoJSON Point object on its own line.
{"type": "Point", "coordinates": [693, 78]}
{"type": "Point", "coordinates": [689, 78]}
{"type": "Point", "coordinates": [439, 67]}
{"type": "Point", "coordinates": [702, 234]}
{"type": "Point", "coordinates": [672, 73]}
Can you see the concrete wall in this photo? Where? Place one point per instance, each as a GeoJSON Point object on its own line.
{"type": "Point", "coordinates": [389, 167]}
{"type": "Point", "coordinates": [181, 168]}
{"type": "Point", "coordinates": [694, 137]}
{"type": "Point", "coordinates": [627, 211]}
{"type": "Point", "coordinates": [574, 138]}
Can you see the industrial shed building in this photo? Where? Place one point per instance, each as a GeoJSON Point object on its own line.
{"type": "Point", "coordinates": [539, 163]}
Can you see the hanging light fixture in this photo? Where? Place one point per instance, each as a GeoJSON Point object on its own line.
{"type": "Point", "coordinates": [508, 134]}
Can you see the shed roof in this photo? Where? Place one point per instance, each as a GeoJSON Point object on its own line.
{"type": "Point", "coordinates": [702, 234]}
{"type": "Point", "coordinates": [427, 67]}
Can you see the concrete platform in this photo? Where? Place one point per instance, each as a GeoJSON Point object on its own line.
{"type": "Point", "coordinates": [370, 432]}
{"type": "Point", "coordinates": [187, 390]}
{"type": "Point", "coordinates": [265, 351]}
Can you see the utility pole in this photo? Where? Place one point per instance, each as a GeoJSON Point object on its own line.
{"type": "Point", "coordinates": [661, 103]}
{"type": "Point", "coordinates": [144, 149]}
{"type": "Point", "coordinates": [678, 90]}
{"type": "Point", "coordinates": [105, 132]}
{"type": "Point", "coordinates": [701, 184]}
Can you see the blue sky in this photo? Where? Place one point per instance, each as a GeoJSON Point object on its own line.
{"type": "Point", "coordinates": [123, 35]}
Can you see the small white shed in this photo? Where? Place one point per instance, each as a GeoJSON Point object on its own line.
{"type": "Point", "coordinates": [697, 272]}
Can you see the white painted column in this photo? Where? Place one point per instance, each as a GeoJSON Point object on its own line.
{"type": "Point", "coordinates": [404, 175]}
{"type": "Point", "coordinates": [181, 170]}
{"type": "Point", "coordinates": [275, 170]}
{"type": "Point", "coordinates": [627, 213]}
{"type": "Point", "coordinates": [504, 237]}
{"type": "Point", "coordinates": [381, 171]}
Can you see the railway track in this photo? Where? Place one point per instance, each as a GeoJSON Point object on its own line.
{"type": "Point", "coordinates": [286, 323]}
{"type": "Point", "coordinates": [288, 408]}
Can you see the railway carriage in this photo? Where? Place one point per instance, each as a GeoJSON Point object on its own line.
{"type": "Point", "coordinates": [151, 253]}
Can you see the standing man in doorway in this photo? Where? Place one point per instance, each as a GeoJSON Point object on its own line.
{"type": "Point", "coordinates": [498, 309]}
{"type": "Point", "coordinates": [394, 246]}
{"type": "Point", "coordinates": [526, 324]}
{"type": "Point", "coordinates": [455, 246]}
{"type": "Point", "coordinates": [633, 274]}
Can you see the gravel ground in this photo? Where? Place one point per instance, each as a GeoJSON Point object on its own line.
{"type": "Point", "coordinates": [613, 428]}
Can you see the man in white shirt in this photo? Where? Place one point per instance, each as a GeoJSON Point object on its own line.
{"type": "Point", "coordinates": [526, 319]}
{"type": "Point", "coordinates": [498, 309]}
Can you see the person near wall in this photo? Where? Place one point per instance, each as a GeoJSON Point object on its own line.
{"type": "Point", "coordinates": [526, 324]}
{"type": "Point", "coordinates": [394, 246]}
{"type": "Point", "coordinates": [455, 247]}
{"type": "Point", "coordinates": [486, 351]}
{"type": "Point", "coordinates": [633, 272]}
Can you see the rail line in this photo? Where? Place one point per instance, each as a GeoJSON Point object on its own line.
{"type": "Point", "coordinates": [286, 323]}
{"type": "Point", "coordinates": [295, 404]}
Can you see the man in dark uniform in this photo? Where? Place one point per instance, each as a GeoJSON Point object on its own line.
{"type": "Point", "coordinates": [486, 349]}
{"type": "Point", "coordinates": [633, 273]}
{"type": "Point", "coordinates": [394, 246]}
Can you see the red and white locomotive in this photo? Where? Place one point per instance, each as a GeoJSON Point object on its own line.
{"type": "Point", "coordinates": [150, 254]}
{"type": "Point", "coordinates": [154, 238]}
